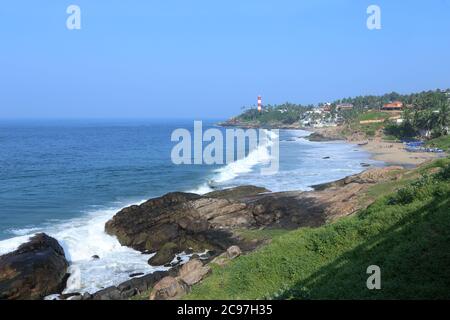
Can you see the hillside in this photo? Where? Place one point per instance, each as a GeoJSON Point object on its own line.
{"type": "Point", "coordinates": [348, 111]}
{"type": "Point", "coordinates": [405, 232]}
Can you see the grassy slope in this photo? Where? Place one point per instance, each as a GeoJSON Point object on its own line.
{"type": "Point", "coordinates": [410, 242]}
{"type": "Point", "coordinates": [441, 142]}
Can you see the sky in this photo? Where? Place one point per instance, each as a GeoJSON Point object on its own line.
{"type": "Point", "coordinates": [206, 59]}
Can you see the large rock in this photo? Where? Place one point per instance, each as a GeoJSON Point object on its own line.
{"type": "Point", "coordinates": [164, 255]}
{"type": "Point", "coordinates": [231, 253]}
{"type": "Point", "coordinates": [193, 272]}
{"type": "Point", "coordinates": [133, 286]}
{"type": "Point", "coordinates": [177, 221]}
{"type": "Point", "coordinates": [184, 220]}
{"type": "Point", "coordinates": [370, 176]}
{"type": "Point", "coordinates": [36, 269]}
{"type": "Point", "coordinates": [168, 288]}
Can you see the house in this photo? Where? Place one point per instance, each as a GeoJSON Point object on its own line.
{"type": "Point", "coordinates": [344, 106]}
{"type": "Point", "coordinates": [326, 107]}
{"type": "Point", "coordinates": [393, 106]}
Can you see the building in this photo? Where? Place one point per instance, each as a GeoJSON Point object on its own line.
{"type": "Point", "coordinates": [393, 106]}
{"type": "Point", "coordinates": [326, 107]}
{"type": "Point", "coordinates": [344, 106]}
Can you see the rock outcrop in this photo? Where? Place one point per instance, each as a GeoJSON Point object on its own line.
{"type": "Point", "coordinates": [169, 288]}
{"type": "Point", "coordinates": [177, 221]}
{"type": "Point", "coordinates": [231, 253]}
{"type": "Point", "coordinates": [175, 286]}
{"type": "Point", "coordinates": [36, 269]}
{"type": "Point", "coordinates": [130, 288]}
{"type": "Point", "coordinates": [193, 272]}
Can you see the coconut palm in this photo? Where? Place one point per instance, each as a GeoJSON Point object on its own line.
{"type": "Point", "coordinates": [443, 117]}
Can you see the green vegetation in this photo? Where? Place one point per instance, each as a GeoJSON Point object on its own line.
{"type": "Point", "coordinates": [373, 115]}
{"type": "Point", "coordinates": [423, 106]}
{"type": "Point", "coordinates": [406, 233]}
{"type": "Point", "coordinates": [442, 142]}
{"type": "Point", "coordinates": [286, 113]}
{"type": "Point", "coordinates": [263, 234]}
{"type": "Point", "coordinates": [432, 122]}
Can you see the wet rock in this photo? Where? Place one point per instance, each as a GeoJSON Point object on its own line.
{"type": "Point", "coordinates": [66, 296]}
{"type": "Point", "coordinates": [110, 293]}
{"type": "Point", "coordinates": [137, 274]}
{"type": "Point", "coordinates": [33, 271]}
{"type": "Point", "coordinates": [131, 287]}
{"type": "Point", "coordinates": [164, 255]}
{"type": "Point", "coordinates": [95, 257]}
{"type": "Point", "coordinates": [87, 296]}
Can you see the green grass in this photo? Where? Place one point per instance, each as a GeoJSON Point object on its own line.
{"type": "Point", "coordinates": [373, 115]}
{"type": "Point", "coordinates": [262, 234]}
{"type": "Point", "coordinates": [406, 233]}
{"type": "Point", "coordinates": [442, 142]}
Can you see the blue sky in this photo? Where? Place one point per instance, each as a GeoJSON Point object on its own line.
{"type": "Point", "coordinates": [206, 59]}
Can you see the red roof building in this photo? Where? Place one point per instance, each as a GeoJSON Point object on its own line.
{"type": "Point", "coordinates": [393, 106]}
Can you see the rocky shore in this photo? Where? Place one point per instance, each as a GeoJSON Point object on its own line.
{"type": "Point", "coordinates": [36, 269]}
{"type": "Point", "coordinates": [187, 223]}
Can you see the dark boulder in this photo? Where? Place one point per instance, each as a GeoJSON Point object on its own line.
{"type": "Point", "coordinates": [164, 255]}
{"type": "Point", "coordinates": [132, 287]}
{"type": "Point", "coordinates": [137, 274]}
{"type": "Point", "coordinates": [36, 269]}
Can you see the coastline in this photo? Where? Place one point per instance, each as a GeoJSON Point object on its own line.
{"type": "Point", "coordinates": [390, 152]}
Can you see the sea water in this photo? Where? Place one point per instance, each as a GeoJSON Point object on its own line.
{"type": "Point", "coordinates": [68, 178]}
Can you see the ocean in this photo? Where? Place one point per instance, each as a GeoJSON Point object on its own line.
{"type": "Point", "coordinates": [67, 178]}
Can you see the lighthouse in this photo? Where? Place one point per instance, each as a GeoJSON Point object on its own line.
{"type": "Point", "coordinates": [259, 104]}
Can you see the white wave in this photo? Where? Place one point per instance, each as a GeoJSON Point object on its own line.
{"type": "Point", "coordinates": [83, 238]}
{"type": "Point", "coordinates": [24, 231]}
{"type": "Point", "coordinates": [202, 189]}
{"type": "Point", "coordinates": [259, 155]}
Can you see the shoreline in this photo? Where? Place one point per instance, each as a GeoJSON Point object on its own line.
{"type": "Point", "coordinates": [389, 152]}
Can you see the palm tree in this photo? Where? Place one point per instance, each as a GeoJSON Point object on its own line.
{"type": "Point", "coordinates": [443, 117]}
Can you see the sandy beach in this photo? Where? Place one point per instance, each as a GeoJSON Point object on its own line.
{"type": "Point", "coordinates": [394, 153]}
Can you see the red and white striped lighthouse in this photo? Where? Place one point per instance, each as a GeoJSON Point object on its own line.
{"type": "Point", "coordinates": [259, 104]}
